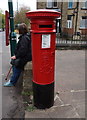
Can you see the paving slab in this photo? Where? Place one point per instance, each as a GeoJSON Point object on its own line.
{"type": "Point", "coordinates": [57, 101]}
{"type": "Point", "coordinates": [70, 70]}
{"type": "Point", "coordinates": [37, 114]}
{"type": "Point", "coordinates": [70, 97]}
{"type": "Point", "coordinates": [80, 108]}
{"type": "Point", "coordinates": [63, 112]}
{"type": "Point", "coordinates": [76, 100]}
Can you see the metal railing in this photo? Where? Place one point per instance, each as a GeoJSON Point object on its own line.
{"type": "Point", "coordinates": [62, 42]}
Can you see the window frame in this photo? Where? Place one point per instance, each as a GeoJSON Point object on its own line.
{"type": "Point", "coordinates": [83, 23]}
{"type": "Point", "coordinates": [51, 3]}
{"type": "Point", "coordinates": [70, 4]}
{"type": "Point", "coordinates": [84, 7]}
{"type": "Point", "coordinates": [69, 23]}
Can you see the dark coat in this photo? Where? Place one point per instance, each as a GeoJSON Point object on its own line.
{"type": "Point", "coordinates": [23, 50]}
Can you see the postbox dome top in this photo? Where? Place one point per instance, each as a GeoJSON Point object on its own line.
{"type": "Point", "coordinates": [43, 13]}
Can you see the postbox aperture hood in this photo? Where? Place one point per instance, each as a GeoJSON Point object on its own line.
{"type": "Point", "coordinates": [41, 13]}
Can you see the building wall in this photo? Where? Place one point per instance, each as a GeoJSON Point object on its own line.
{"type": "Point", "coordinates": [74, 26]}
{"type": "Point", "coordinates": [82, 13]}
{"type": "Point", "coordinates": [41, 5]}
{"type": "Point", "coordinates": [65, 12]}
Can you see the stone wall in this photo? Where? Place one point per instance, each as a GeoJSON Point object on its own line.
{"type": "Point", "coordinates": [41, 5]}
{"type": "Point", "coordinates": [27, 77]}
{"type": "Point", "coordinates": [64, 7]}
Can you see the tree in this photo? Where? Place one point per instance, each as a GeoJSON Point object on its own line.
{"type": "Point", "coordinates": [20, 16]}
{"type": "Point", "coordinates": [2, 19]}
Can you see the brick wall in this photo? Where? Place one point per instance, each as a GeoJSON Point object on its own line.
{"type": "Point", "coordinates": [68, 32]}
{"type": "Point", "coordinates": [41, 5]}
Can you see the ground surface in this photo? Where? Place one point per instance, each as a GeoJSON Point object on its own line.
{"type": "Point", "coordinates": [69, 87]}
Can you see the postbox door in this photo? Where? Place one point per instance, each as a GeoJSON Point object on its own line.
{"type": "Point", "coordinates": [43, 48]}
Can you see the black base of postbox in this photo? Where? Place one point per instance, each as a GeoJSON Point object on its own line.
{"type": "Point", "coordinates": [43, 95]}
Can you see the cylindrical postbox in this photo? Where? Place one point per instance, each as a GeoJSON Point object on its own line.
{"type": "Point", "coordinates": [7, 27]}
{"type": "Point", "coordinates": [43, 34]}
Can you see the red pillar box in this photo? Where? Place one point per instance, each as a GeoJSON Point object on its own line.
{"type": "Point", "coordinates": [43, 55]}
{"type": "Point", "coordinates": [7, 27]}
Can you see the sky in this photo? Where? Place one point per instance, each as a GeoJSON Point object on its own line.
{"type": "Point", "coordinates": [30, 3]}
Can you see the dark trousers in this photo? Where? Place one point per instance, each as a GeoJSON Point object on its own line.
{"type": "Point", "coordinates": [15, 76]}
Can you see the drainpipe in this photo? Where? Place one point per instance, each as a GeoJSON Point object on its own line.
{"type": "Point", "coordinates": [77, 7]}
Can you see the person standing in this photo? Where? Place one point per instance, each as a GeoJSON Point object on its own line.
{"type": "Point", "coordinates": [21, 56]}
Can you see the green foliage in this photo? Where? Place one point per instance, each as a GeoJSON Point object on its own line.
{"type": "Point", "coordinates": [30, 108]}
{"type": "Point", "coordinates": [2, 19]}
{"type": "Point", "coordinates": [20, 16]}
{"type": "Point", "coordinates": [27, 93]}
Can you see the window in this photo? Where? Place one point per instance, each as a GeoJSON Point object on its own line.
{"type": "Point", "coordinates": [83, 22]}
{"type": "Point", "coordinates": [84, 5]}
{"type": "Point", "coordinates": [84, 17]}
{"type": "Point", "coordinates": [69, 23]}
{"type": "Point", "coordinates": [51, 3]}
{"type": "Point", "coordinates": [55, 3]}
{"type": "Point", "coordinates": [70, 4]}
{"type": "Point", "coordinates": [69, 17]}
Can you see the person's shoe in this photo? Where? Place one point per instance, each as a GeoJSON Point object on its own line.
{"type": "Point", "coordinates": [8, 84]}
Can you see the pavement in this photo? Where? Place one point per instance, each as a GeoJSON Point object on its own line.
{"type": "Point", "coordinates": [0, 77]}
{"type": "Point", "coordinates": [69, 100]}
{"type": "Point", "coordinates": [11, 98]}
